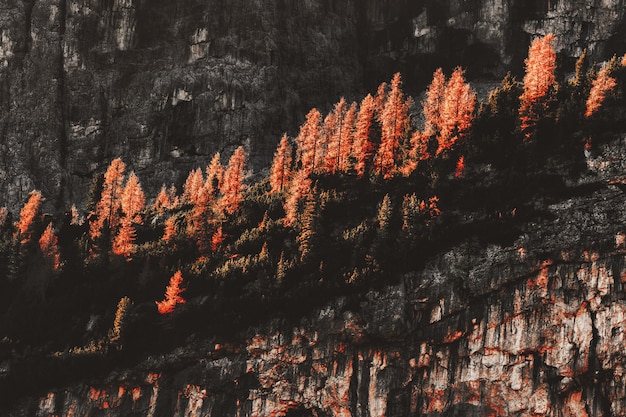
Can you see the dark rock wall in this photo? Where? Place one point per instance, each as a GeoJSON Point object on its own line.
{"type": "Point", "coordinates": [166, 84]}
{"type": "Point", "coordinates": [532, 327]}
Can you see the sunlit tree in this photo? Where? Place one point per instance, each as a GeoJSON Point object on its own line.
{"type": "Point", "coordinates": [109, 206]}
{"type": "Point", "coordinates": [539, 79]}
{"type": "Point", "coordinates": [362, 147]}
{"type": "Point", "coordinates": [395, 123]}
{"type": "Point", "coordinates": [281, 166]}
{"type": "Point", "coordinates": [433, 104]}
{"type": "Point", "coordinates": [28, 214]}
{"type": "Point", "coordinates": [457, 112]}
{"type": "Point", "coordinates": [232, 185]}
{"type": "Point", "coordinates": [602, 84]}
{"type": "Point", "coordinates": [172, 294]}
{"type": "Point", "coordinates": [298, 188]}
{"type": "Point", "coordinates": [308, 141]}
{"type": "Point", "coordinates": [49, 245]}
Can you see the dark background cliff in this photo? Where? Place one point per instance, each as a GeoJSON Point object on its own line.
{"type": "Point", "coordinates": [165, 84]}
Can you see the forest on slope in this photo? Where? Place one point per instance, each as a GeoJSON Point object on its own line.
{"type": "Point", "coordinates": [359, 198]}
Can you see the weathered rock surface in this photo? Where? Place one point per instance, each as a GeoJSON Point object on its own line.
{"type": "Point", "coordinates": [164, 85]}
{"type": "Point", "coordinates": [530, 328]}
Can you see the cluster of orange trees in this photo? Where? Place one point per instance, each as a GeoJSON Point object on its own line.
{"type": "Point", "coordinates": [375, 139]}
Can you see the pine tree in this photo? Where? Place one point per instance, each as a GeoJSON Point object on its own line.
{"type": "Point", "coordinates": [362, 148]}
{"type": "Point", "coordinates": [28, 214]}
{"type": "Point", "coordinates": [172, 294]}
{"type": "Point", "coordinates": [384, 218]}
{"type": "Point", "coordinates": [281, 166]}
{"type": "Point", "coordinates": [307, 238]}
{"type": "Point", "coordinates": [308, 141]}
{"type": "Point", "coordinates": [117, 333]}
{"type": "Point", "coordinates": [457, 112]}
{"type": "Point", "coordinates": [602, 84]}
{"type": "Point", "coordinates": [410, 217]}
{"type": "Point", "coordinates": [232, 186]}
{"type": "Point", "coordinates": [108, 208]}
{"type": "Point", "coordinates": [433, 105]}
{"type": "Point", "coordinates": [395, 123]}
{"type": "Point", "coordinates": [539, 79]}
{"type": "Point", "coordinates": [49, 245]}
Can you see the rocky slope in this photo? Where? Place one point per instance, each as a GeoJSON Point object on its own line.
{"type": "Point", "coordinates": [164, 85]}
{"type": "Point", "coordinates": [525, 326]}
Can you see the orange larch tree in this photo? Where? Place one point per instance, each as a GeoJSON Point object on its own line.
{"type": "Point", "coordinates": [163, 201]}
{"type": "Point", "coordinates": [215, 174]}
{"type": "Point", "coordinates": [332, 132]}
{"type": "Point", "coordinates": [217, 239]}
{"type": "Point", "coordinates": [380, 99]}
{"type": "Point", "coordinates": [457, 112]}
{"type": "Point", "coordinates": [172, 294]}
{"type": "Point", "coordinates": [418, 152]}
{"type": "Point", "coordinates": [28, 214]}
{"type": "Point", "coordinates": [433, 104]}
{"type": "Point", "coordinates": [169, 231]}
{"type": "Point", "coordinates": [281, 166]}
{"type": "Point", "coordinates": [133, 199]}
{"type": "Point", "coordinates": [362, 147]}
{"type": "Point", "coordinates": [133, 202]}
{"type": "Point", "coordinates": [109, 206]}
{"type": "Point", "coordinates": [198, 221]}
{"type": "Point", "coordinates": [308, 141]}
{"type": "Point", "coordinates": [602, 84]}
{"type": "Point", "coordinates": [395, 123]}
{"type": "Point", "coordinates": [347, 138]}
{"type": "Point", "coordinates": [49, 245]}
{"type": "Point", "coordinates": [539, 78]}
{"type": "Point", "coordinates": [193, 184]}
{"type": "Point", "coordinates": [232, 185]}
{"type": "Point", "coordinates": [298, 188]}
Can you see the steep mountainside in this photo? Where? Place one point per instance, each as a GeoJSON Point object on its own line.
{"type": "Point", "coordinates": [524, 319]}
{"type": "Point", "coordinates": [165, 84]}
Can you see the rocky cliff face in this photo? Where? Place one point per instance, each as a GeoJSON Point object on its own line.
{"type": "Point", "coordinates": [164, 85]}
{"type": "Point", "coordinates": [529, 327]}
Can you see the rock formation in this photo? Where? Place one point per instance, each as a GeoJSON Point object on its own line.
{"type": "Point", "coordinates": [165, 85]}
